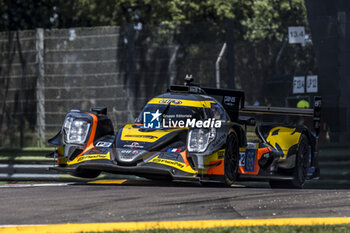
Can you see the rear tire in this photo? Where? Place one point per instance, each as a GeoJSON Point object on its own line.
{"type": "Point", "coordinates": [231, 159]}
{"type": "Point", "coordinates": [88, 174]}
{"type": "Point", "coordinates": [299, 172]}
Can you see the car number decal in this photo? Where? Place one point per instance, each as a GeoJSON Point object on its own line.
{"type": "Point", "coordinates": [249, 160]}
{"type": "Point", "coordinates": [241, 159]}
{"type": "Point", "coordinates": [103, 144]}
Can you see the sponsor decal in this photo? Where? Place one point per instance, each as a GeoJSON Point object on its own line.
{"type": "Point", "coordinates": [175, 150]}
{"type": "Point", "coordinates": [247, 157]}
{"type": "Point", "coordinates": [103, 144]}
{"type": "Point", "coordinates": [141, 136]}
{"type": "Point", "coordinates": [170, 101]}
{"type": "Point", "coordinates": [133, 145]}
{"type": "Point", "coordinates": [221, 154]}
{"type": "Point", "coordinates": [172, 163]}
{"type": "Point", "coordinates": [126, 151]}
{"type": "Point", "coordinates": [93, 157]}
{"type": "Point", "coordinates": [249, 160]}
{"type": "Point", "coordinates": [126, 157]}
{"type": "Point", "coordinates": [229, 100]}
{"type": "Point", "coordinates": [127, 154]}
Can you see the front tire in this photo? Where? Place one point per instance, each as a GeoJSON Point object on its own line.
{"type": "Point", "coordinates": [299, 172]}
{"type": "Point", "coordinates": [231, 159]}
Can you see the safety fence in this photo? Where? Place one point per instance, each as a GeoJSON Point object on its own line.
{"type": "Point", "coordinates": [44, 73]}
{"type": "Point", "coordinates": [31, 164]}
{"type": "Point", "coordinates": [35, 164]}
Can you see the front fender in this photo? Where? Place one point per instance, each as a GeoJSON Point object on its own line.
{"type": "Point", "coordinates": [57, 140]}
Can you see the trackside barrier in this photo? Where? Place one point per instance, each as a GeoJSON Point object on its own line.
{"type": "Point", "coordinates": [30, 164]}
{"type": "Point", "coordinates": [334, 162]}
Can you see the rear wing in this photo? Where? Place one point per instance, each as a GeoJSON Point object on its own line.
{"type": "Point", "coordinates": [315, 112]}
{"type": "Point", "coordinates": [277, 111]}
{"type": "Point", "coordinates": [231, 100]}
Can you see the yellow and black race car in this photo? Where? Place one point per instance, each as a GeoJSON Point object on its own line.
{"type": "Point", "coordinates": [195, 134]}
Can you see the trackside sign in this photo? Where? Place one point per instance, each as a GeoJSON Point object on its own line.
{"type": "Point", "coordinates": [299, 85]}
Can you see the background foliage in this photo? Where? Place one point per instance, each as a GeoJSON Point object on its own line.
{"type": "Point", "coordinates": [260, 28]}
{"type": "Point", "coordinates": [193, 31]}
{"type": "Point", "coordinates": [254, 19]}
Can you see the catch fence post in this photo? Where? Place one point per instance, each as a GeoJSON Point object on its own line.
{"type": "Point", "coordinates": [40, 96]}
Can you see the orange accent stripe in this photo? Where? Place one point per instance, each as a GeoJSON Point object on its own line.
{"type": "Point", "coordinates": [217, 170]}
{"type": "Point", "coordinates": [93, 131]}
{"type": "Point", "coordinates": [90, 144]}
{"type": "Point", "coordinates": [241, 170]}
{"type": "Point", "coordinates": [184, 157]}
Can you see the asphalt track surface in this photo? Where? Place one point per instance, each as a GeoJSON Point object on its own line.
{"type": "Point", "coordinates": [153, 201]}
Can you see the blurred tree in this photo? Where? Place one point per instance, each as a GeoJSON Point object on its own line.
{"type": "Point", "coordinates": [270, 19]}
{"type": "Point", "coordinates": [255, 20]}
{"type": "Point", "coordinates": [260, 27]}
{"type": "Point", "coordinates": [20, 14]}
{"type": "Point", "coordinates": [28, 14]}
{"type": "Point", "coordinates": [265, 79]}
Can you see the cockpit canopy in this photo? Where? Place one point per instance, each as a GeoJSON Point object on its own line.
{"type": "Point", "coordinates": [183, 107]}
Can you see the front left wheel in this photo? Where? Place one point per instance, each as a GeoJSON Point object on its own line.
{"type": "Point", "coordinates": [231, 159]}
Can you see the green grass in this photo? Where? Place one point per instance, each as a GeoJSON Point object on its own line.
{"type": "Point", "coordinates": [255, 229]}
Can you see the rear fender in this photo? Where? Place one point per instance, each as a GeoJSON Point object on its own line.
{"type": "Point", "coordinates": [282, 138]}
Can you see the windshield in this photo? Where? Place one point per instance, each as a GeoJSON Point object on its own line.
{"type": "Point", "coordinates": [174, 112]}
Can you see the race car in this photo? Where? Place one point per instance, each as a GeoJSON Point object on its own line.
{"type": "Point", "coordinates": [192, 133]}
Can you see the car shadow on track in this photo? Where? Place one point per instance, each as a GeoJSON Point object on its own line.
{"type": "Point", "coordinates": [136, 181]}
{"type": "Point", "coordinates": [159, 183]}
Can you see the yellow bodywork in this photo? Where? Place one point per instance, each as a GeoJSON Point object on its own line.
{"type": "Point", "coordinates": [285, 137]}
{"type": "Point", "coordinates": [181, 102]}
{"type": "Point", "coordinates": [172, 163]}
{"type": "Point", "coordinates": [134, 134]}
{"type": "Point", "coordinates": [61, 159]}
{"type": "Point", "coordinates": [83, 158]}
{"type": "Point", "coordinates": [215, 157]}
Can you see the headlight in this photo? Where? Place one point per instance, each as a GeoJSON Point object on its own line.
{"type": "Point", "coordinates": [75, 130]}
{"type": "Point", "coordinates": [199, 139]}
